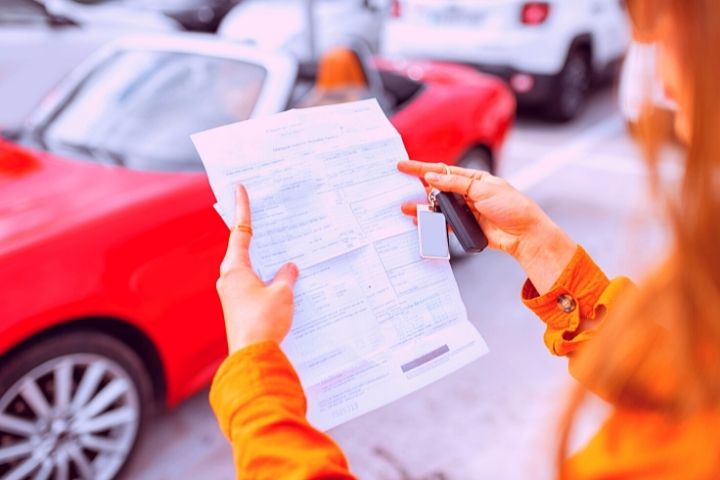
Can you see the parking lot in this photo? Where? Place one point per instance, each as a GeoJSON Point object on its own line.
{"type": "Point", "coordinates": [109, 246]}
{"type": "Point", "coordinates": [494, 419]}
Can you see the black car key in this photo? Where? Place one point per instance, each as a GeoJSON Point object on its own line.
{"type": "Point", "coordinates": [461, 220]}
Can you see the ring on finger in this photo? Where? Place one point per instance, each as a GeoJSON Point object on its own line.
{"type": "Point", "coordinates": [476, 176]}
{"type": "Point", "coordinates": [467, 190]}
{"type": "Point", "coordinates": [446, 168]}
{"type": "Point", "coordinates": [245, 228]}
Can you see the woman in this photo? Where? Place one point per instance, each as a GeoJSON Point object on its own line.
{"type": "Point", "coordinates": [654, 352]}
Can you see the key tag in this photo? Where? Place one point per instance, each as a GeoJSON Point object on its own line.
{"type": "Point", "coordinates": [432, 232]}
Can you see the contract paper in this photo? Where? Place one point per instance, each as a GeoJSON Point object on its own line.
{"type": "Point", "coordinates": [373, 321]}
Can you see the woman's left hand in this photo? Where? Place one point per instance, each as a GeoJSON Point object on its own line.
{"type": "Point", "coordinates": [511, 221]}
{"type": "Point", "coordinates": [254, 312]}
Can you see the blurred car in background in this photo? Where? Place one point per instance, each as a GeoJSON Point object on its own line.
{"type": "Point", "coordinates": [110, 13]}
{"type": "Point", "coordinates": [548, 52]}
{"type": "Point", "coordinates": [108, 260]}
{"type": "Point", "coordinates": [640, 83]}
{"type": "Point", "coordinates": [30, 13]}
{"type": "Point", "coordinates": [288, 25]}
{"type": "Point", "coordinates": [37, 49]}
{"type": "Point", "coordinates": [138, 100]}
{"type": "Point", "coordinates": [193, 15]}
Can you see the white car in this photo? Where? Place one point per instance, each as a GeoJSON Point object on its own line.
{"type": "Point", "coordinates": [111, 14]}
{"type": "Point", "coordinates": [549, 52]}
{"type": "Point", "coordinates": [286, 25]}
{"type": "Point", "coordinates": [38, 49]}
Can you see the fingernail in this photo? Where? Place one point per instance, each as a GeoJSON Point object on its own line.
{"type": "Point", "coordinates": [432, 177]}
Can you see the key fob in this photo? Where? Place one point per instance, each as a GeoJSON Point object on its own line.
{"type": "Point", "coordinates": [461, 219]}
{"type": "Point", "coordinates": [432, 233]}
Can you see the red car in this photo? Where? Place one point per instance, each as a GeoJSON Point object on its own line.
{"type": "Point", "coordinates": [108, 260]}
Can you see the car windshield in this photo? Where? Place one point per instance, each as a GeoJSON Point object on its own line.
{"type": "Point", "coordinates": [139, 108]}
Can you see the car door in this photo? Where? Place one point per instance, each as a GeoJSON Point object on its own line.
{"type": "Point", "coordinates": [169, 264]}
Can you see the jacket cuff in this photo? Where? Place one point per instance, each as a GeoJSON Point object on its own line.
{"type": "Point", "coordinates": [572, 297]}
{"type": "Point", "coordinates": [256, 371]}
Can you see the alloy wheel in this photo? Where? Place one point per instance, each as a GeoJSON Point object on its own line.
{"type": "Point", "coordinates": [74, 416]}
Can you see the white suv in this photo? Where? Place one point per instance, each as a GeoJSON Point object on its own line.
{"type": "Point", "coordinates": [549, 52]}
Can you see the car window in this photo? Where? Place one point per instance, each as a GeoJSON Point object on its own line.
{"type": "Point", "coordinates": [140, 107]}
{"type": "Point", "coordinates": [22, 12]}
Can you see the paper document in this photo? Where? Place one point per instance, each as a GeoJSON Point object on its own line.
{"type": "Point", "coordinates": [373, 321]}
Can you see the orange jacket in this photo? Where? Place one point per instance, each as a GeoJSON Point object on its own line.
{"type": "Point", "coordinates": [260, 405]}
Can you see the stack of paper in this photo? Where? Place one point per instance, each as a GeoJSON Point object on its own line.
{"type": "Point", "coordinates": [373, 321]}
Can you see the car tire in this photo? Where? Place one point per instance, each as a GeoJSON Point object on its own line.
{"type": "Point", "coordinates": [71, 406]}
{"type": "Point", "coordinates": [570, 87]}
{"type": "Point", "coordinates": [478, 158]}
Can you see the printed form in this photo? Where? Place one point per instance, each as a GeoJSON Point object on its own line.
{"type": "Point", "coordinates": [373, 321]}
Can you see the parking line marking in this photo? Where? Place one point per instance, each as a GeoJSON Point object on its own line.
{"type": "Point", "coordinates": [623, 165]}
{"type": "Point", "coordinates": [551, 162]}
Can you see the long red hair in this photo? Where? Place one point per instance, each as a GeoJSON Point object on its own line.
{"type": "Point", "coordinates": [660, 349]}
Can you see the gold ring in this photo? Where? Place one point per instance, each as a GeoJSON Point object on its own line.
{"type": "Point", "coordinates": [467, 190]}
{"type": "Point", "coordinates": [244, 228]}
{"type": "Point", "coordinates": [447, 169]}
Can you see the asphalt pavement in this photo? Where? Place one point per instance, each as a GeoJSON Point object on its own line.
{"type": "Point", "coordinates": [497, 417]}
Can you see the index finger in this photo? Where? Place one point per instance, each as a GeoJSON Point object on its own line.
{"type": "Point", "coordinates": [239, 242]}
{"type": "Point", "coordinates": [419, 169]}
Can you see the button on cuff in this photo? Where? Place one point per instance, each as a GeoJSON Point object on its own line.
{"type": "Point", "coordinates": [566, 303]}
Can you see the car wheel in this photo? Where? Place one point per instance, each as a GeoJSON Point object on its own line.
{"type": "Point", "coordinates": [571, 87]}
{"type": "Point", "coordinates": [478, 159]}
{"type": "Point", "coordinates": [71, 406]}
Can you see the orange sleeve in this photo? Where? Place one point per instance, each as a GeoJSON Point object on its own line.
{"type": "Point", "coordinates": [260, 406]}
{"type": "Point", "coordinates": [574, 306]}
{"type": "Point", "coordinates": [646, 445]}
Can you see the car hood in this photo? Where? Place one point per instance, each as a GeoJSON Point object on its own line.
{"type": "Point", "coordinates": [41, 194]}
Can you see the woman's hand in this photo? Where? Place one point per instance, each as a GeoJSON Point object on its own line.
{"type": "Point", "coordinates": [254, 312]}
{"type": "Point", "coordinates": [511, 221]}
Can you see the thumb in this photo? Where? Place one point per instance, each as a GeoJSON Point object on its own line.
{"type": "Point", "coordinates": [287, 274]}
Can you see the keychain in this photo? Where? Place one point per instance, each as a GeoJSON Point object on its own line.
{"type": "Point", "coordinates": [432, 232]}
{"type": "Point", "coordinates": [461, 219]}
{"type": "Point", "coordinates": [432, 221]}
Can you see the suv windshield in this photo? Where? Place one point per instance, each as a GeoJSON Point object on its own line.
{"type": "Point", "coordinates": [139, 108]}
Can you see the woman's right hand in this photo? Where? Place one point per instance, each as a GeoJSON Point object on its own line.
{"type": "Point", "coordinates": [512, 222]}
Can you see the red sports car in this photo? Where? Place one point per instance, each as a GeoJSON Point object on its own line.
{"type": "Point", "coordinates": [108, 260]}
